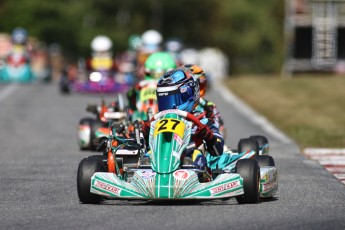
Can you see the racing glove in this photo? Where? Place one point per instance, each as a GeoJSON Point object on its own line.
{"type": "Point", "coordinates": [206, 134]}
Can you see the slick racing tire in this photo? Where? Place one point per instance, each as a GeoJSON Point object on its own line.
{"type": "Point", "coordinates": [250, 172]}
{"type": "Point", "coordinates": [246, 144]}
{"type": "Point", "coordinates": [265, 160]}
{"type": "Point", "coordinates": [262, 141]}
{"type": "Point", "coordinates": [87, 167]}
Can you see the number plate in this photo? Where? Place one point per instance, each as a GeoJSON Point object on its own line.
{"type": "Point", "coordinates": [126, 152]}
{"type": "Point", "coordinates": [170, 125]}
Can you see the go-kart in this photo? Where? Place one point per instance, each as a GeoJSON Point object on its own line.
{"type": "Point", "coordinates": [95, 82]}
{"type": "Point", "coordinates": [16, 67]}
{"type": "Point", "coordinates": [247, 175]}
{"type": "Point", "coordinates": [100, 77]}
{"type": "Point", "coordinates": [91, 128]}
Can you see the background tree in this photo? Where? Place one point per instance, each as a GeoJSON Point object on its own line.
{"type": "Point", "coordinates": [248, 31]}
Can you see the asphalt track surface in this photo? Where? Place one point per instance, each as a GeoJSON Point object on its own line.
{"type": "Point", "coordinates": [39, 157]}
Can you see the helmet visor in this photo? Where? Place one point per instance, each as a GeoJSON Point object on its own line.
{"type": "Point", "coordinates": [168, 100]}
{"type": "Point", "coordinates": [173, 99]}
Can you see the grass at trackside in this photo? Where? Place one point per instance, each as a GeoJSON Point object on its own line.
{"type": "Point", "coordinates": [308, 108]}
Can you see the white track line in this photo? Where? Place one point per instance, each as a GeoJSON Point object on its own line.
{"type": "Point", "coordinates": [7, 91]}
{"type": "Point", "coordinates": [336, 170]}
{"type": "Point", "coordinates": [323, 151]}
{"type": "Point", "coordinates": [253, 116]}
{"type": "Point", "coordinates": [328, 157]}
{"type": "Point", "coordinates": [333, 162]}
{"type": "Point", "coordinates": [340, 176]}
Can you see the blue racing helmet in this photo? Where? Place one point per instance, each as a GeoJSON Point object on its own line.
{"type": "Point", "coordinates": [178, 89]}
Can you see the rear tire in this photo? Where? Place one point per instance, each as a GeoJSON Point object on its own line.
{"type": "Point", "coordinates": [87, 167]}
{"type": "Point", "coordinates": [250, 172]}
{"type": "Point", "coordinates": [262, 141]}
{"type": "Point", "coordinates": [265, 160]}
{"type": "Point", "coordinates": [246, 144]}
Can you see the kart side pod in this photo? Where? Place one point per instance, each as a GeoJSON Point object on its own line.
{"type": "Point", "coordinates": [268, 181]}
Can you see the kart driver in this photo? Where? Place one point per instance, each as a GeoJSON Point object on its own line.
{"type": "Point", "coordinates": [209, 107]}
{"type": "Point", "coordinates": [179, 89]}
{"type": "Point", "coordinates": [143, 94]}
{"type": "Point", "coordinates": [101, 55]}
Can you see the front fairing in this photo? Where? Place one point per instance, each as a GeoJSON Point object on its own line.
{"type": "Point", "coordinates": [21, 73]}
{"type": "Point", "coordinates": [169, 136]}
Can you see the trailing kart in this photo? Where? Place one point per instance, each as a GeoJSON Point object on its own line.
{"type": "Point", "coordinates": [91, 128]}
{"type": "Point", "coordinates": [146, 101]}
{"type": "Point", "coordinates": [101, 79]}
{"type": "Point", "coordinates": [17, 67]}
{"type": "Point", "coordinates": [247, 176]}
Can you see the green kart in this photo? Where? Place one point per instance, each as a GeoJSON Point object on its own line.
{"type": "Point", "coordinates": [247, 177]}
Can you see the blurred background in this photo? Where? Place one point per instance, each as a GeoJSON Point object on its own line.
{"type": "Point", "coordinates": [257, 43]}
{"type": "Point", "coordinates": [257, 37]}
{"type": "Point", "coordinates": [249, 32]}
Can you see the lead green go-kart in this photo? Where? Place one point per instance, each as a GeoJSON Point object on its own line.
{"type": "Point", "coordinates": [247, 176]}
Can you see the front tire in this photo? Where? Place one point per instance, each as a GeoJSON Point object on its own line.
{"type": "Point", "coordinates": [250, 172]}
{"type": "Point", "coordinates": [88, 167]}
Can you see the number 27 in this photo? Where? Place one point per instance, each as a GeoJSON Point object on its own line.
{"type": "Point", "coordinates": [164, 122]}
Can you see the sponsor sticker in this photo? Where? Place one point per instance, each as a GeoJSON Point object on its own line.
{"type": "Point", "coordinates": [178, 139]}
{"type": "Point", "coordinates": [107, 187]}
{"type": "Point", "coordinates": [268, 187]}
{"type": "Point", "coordinates": [183, 89]}
{"type": "Point", "coordinates": [224, 187]}
{"type": "Point", "coordinates": [147, 174]}
{"type": "Point", "coordinates": [268, 175]}
{"type": "Point", "coordinates": [181, 175]}
{"type": "Point", "coordinates": [100, 184]}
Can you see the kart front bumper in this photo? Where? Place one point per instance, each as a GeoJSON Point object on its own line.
{"type": "Point", "coordinates": [182, 184]}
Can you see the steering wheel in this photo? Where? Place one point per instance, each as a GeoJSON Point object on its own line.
{"type": "Point", "coordinates": [188, 116]}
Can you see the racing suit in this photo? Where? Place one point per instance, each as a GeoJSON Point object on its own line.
{"type": "Point", "coordinates": [210, 136]}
